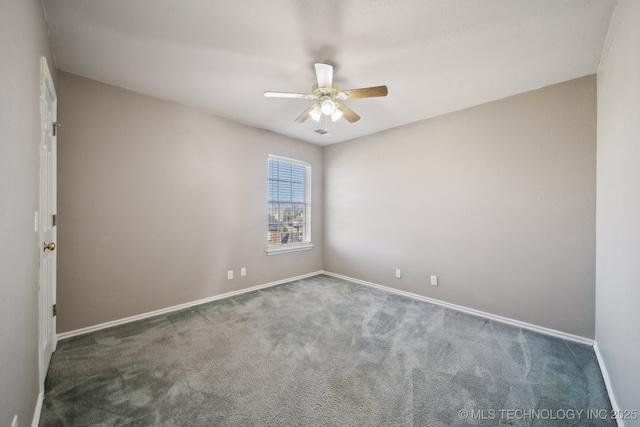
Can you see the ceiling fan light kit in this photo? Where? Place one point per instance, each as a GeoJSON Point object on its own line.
{"type": "Point", "coordinates": [326, 95]}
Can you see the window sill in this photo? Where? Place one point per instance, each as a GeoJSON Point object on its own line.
{"type": "Point", "coordinates": [293, 248]}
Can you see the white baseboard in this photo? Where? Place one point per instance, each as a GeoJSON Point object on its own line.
{"type": "Point", "coordinates": [142, 316]}
{"type": "Point", "coordinates": [472, 311]}
{"type": "Point", "coordinates": [518, 323]}
{"type": "Point", "coordinates": [607, 382]}
{"type": "Point", "coordinates": [38, 410]}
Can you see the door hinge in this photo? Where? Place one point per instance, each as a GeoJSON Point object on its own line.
{"type": "Point", "coordinates": [56, 125]}
{"type": "Point", "coordinates": [55, 309]}
{"type": "Point", "coordinates": [54, 220]}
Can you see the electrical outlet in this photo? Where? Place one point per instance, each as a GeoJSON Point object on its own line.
{"type": "Point", "coordinates": [434, 280]}
{"type": "Point", "coordinates": [14, 422]}
{"type": "Point", "coordinates": [398, 273]}
{"type": "Point", "coordinates": [229, 274]}
{"type": "Point", "coordinates": [243, 271]}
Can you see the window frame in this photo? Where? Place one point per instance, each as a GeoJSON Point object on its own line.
{"type": "Point", "coordinates": [305, 244]}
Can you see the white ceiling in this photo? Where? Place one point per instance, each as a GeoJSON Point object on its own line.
{"type": "Point", "coordinates": [436, 56]}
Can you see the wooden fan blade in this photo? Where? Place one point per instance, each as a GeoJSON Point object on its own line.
{"type": "Point", "coordinates": [305, 115]}
{"type": "Point", "coordinates": [365, 92]}
{"type": "Point", "coordinates": [324, 73]}
{"type": "Point", "coordinates": [287, 95]}
{"type": "Point", "coordinates": [348, 113]}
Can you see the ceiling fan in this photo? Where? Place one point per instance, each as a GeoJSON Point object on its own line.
{"type": "Point", "coordinates": [328, 97]}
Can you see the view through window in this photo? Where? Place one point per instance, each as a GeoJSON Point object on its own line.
{"type": "Point", "coordinates": [289, 210]}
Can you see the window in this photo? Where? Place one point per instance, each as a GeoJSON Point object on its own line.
{"type": "Point", "coordinates": [289, 207]}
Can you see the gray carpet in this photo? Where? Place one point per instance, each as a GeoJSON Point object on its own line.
{"type": "Point", "coordinates": [322, 352]}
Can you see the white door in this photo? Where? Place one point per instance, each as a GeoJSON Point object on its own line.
{"type": "Point", "coordinates": [46, 222]}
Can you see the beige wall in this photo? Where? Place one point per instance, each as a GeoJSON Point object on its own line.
{"type": "Point", "coordinates": [618, 210]}
{"type": "Point", "coordinates": [498, 201]}
{"type": "Point", "coordinates": [23, 39]}
{"type": "Point", "coordinates": [157, 201]}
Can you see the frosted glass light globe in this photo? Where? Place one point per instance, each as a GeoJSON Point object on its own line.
{"type": "Point", "coordinates": [328, 107]}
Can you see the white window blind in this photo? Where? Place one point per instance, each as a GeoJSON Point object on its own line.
{"type": "Point", "coordinates": [289, 206]}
